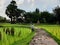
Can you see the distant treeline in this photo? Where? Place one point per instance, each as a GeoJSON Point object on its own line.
{"type": "Point", "coordinates": [4, 20]}
{"type": "Point", "coordinates": [18, 15]}
{"type": "Point", "coordinates": [43, 17]}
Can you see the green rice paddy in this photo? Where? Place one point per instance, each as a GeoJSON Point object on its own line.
{"type": "Point", "coordinates": [23, 38]}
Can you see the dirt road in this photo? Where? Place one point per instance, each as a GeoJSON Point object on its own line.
{"type": "Point", "coordinates": [42, 38]}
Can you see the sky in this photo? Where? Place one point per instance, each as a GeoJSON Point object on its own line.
{"type": "Point", "coordinates": [30, 5]}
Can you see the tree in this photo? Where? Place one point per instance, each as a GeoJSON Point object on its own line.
{"type": "Point", "coordinates": [11, 10]}
{"type": "Point", "coordinates": [37, 10]}
{"type": "Point", "coordinates": [57, 13]}
{"type": "Point", "coordinates": [37, 14]}
{"type": "Point", "coordinates": [3, 19]}
{"type": "Point", "coordinates": [32, 16]}
{"type": "Point", "coordinates": [28, 17]}
{"type": "Point", "coordinates": [44, 16]}
{"type": "Point", "coordinates": [47, 17]}
{"type": "Point", "coordinates": [20, 15]}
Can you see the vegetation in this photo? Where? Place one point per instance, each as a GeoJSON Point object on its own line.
{"type": "Point", "coordinates": [19, 15]}
{"type": "Point", "coordinates": [4, 20]}
{"type": "Point", "coordinates": [24, 38]}
{"type": "Point", "coordinates": [13, 12]}
{"type": "Point", "coordinates": [21, 35]}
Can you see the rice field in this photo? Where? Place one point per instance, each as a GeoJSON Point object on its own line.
{"type": "Point", "coordinates": [26, 34]}
{"type": "Point", "coordinates": [23, 38]}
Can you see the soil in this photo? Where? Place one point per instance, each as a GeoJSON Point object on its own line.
{"type": "Point", "coordinates": [42, 38]}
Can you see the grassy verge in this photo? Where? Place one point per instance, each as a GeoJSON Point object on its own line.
{"type": "Point", "coordinates": [53, 30]}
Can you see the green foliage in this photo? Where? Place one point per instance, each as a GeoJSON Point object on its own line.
{"type": "Point", "coordinates": [37, 10]}
{"type": "Point", "coordinates": [24, 37]}
{"type": "Point", "coordinates": [57, 13]}
{"type": "Point", "coordinates": [17, 15]}
{"type": "Point", "coordinates": [13, 12]}
{"type": "Point", "coordinates": [32, 16]}
{"type": "Point", "coordinates": [48, 17]}
{"type": "Point", "coordinates": [2, 19]}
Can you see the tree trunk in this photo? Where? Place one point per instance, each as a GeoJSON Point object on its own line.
{"type": "Point", "coordinates": [16, 19]}
{"type": "Point", "coordinates": [11, 21]}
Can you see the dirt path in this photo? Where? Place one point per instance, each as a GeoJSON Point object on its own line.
{"type": "Point", "coordinates": [42, 38]}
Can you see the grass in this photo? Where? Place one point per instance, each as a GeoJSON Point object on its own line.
{"type": "Point", "coordinates": [23, 39]}
{"type": "Point", "coordinates": [26, 34]}
{"type": "Point", "coordinates": [53, 30]}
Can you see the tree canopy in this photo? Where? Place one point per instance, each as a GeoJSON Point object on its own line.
{"type": "Point", "coordinates": [19, 15]}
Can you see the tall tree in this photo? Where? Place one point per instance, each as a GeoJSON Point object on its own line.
{"type": "Point", "coordinates": [20, 15]}
{"type": "Point", "coordinates": [44, 16]}
{"type": "Point", "coordinates": [32, 16]}
{"type": "Point", "coordinates": [57, 13]}
{"type": "Point", "coordinates": [37, 10]}
{"type": "Point", "coordinates": [11, 10]}
{"type": "Point", "coordinates": [37, 13]}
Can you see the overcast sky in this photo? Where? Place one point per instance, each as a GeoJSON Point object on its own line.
{"type": "Point", "coordinates": [30, 5]}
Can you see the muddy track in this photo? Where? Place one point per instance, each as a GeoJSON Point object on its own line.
{"type": "Point", "coordinates": [42, 38]}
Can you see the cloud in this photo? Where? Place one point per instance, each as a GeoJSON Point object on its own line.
{"type": "Point", "coordinates": [19, 2]}
{"type": "Point", "coordinates": [2, 8]}
{"type": "Point", "coordinates": [1, 5]}
{"type": "Point", "coordinates": [46, 4]}
{"type": "Point", "coordinates": [2, 2]}
{"type": "Point", "coordinates": [32, 2]}
{"type": "Point", "coordinates": [29, 1]}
